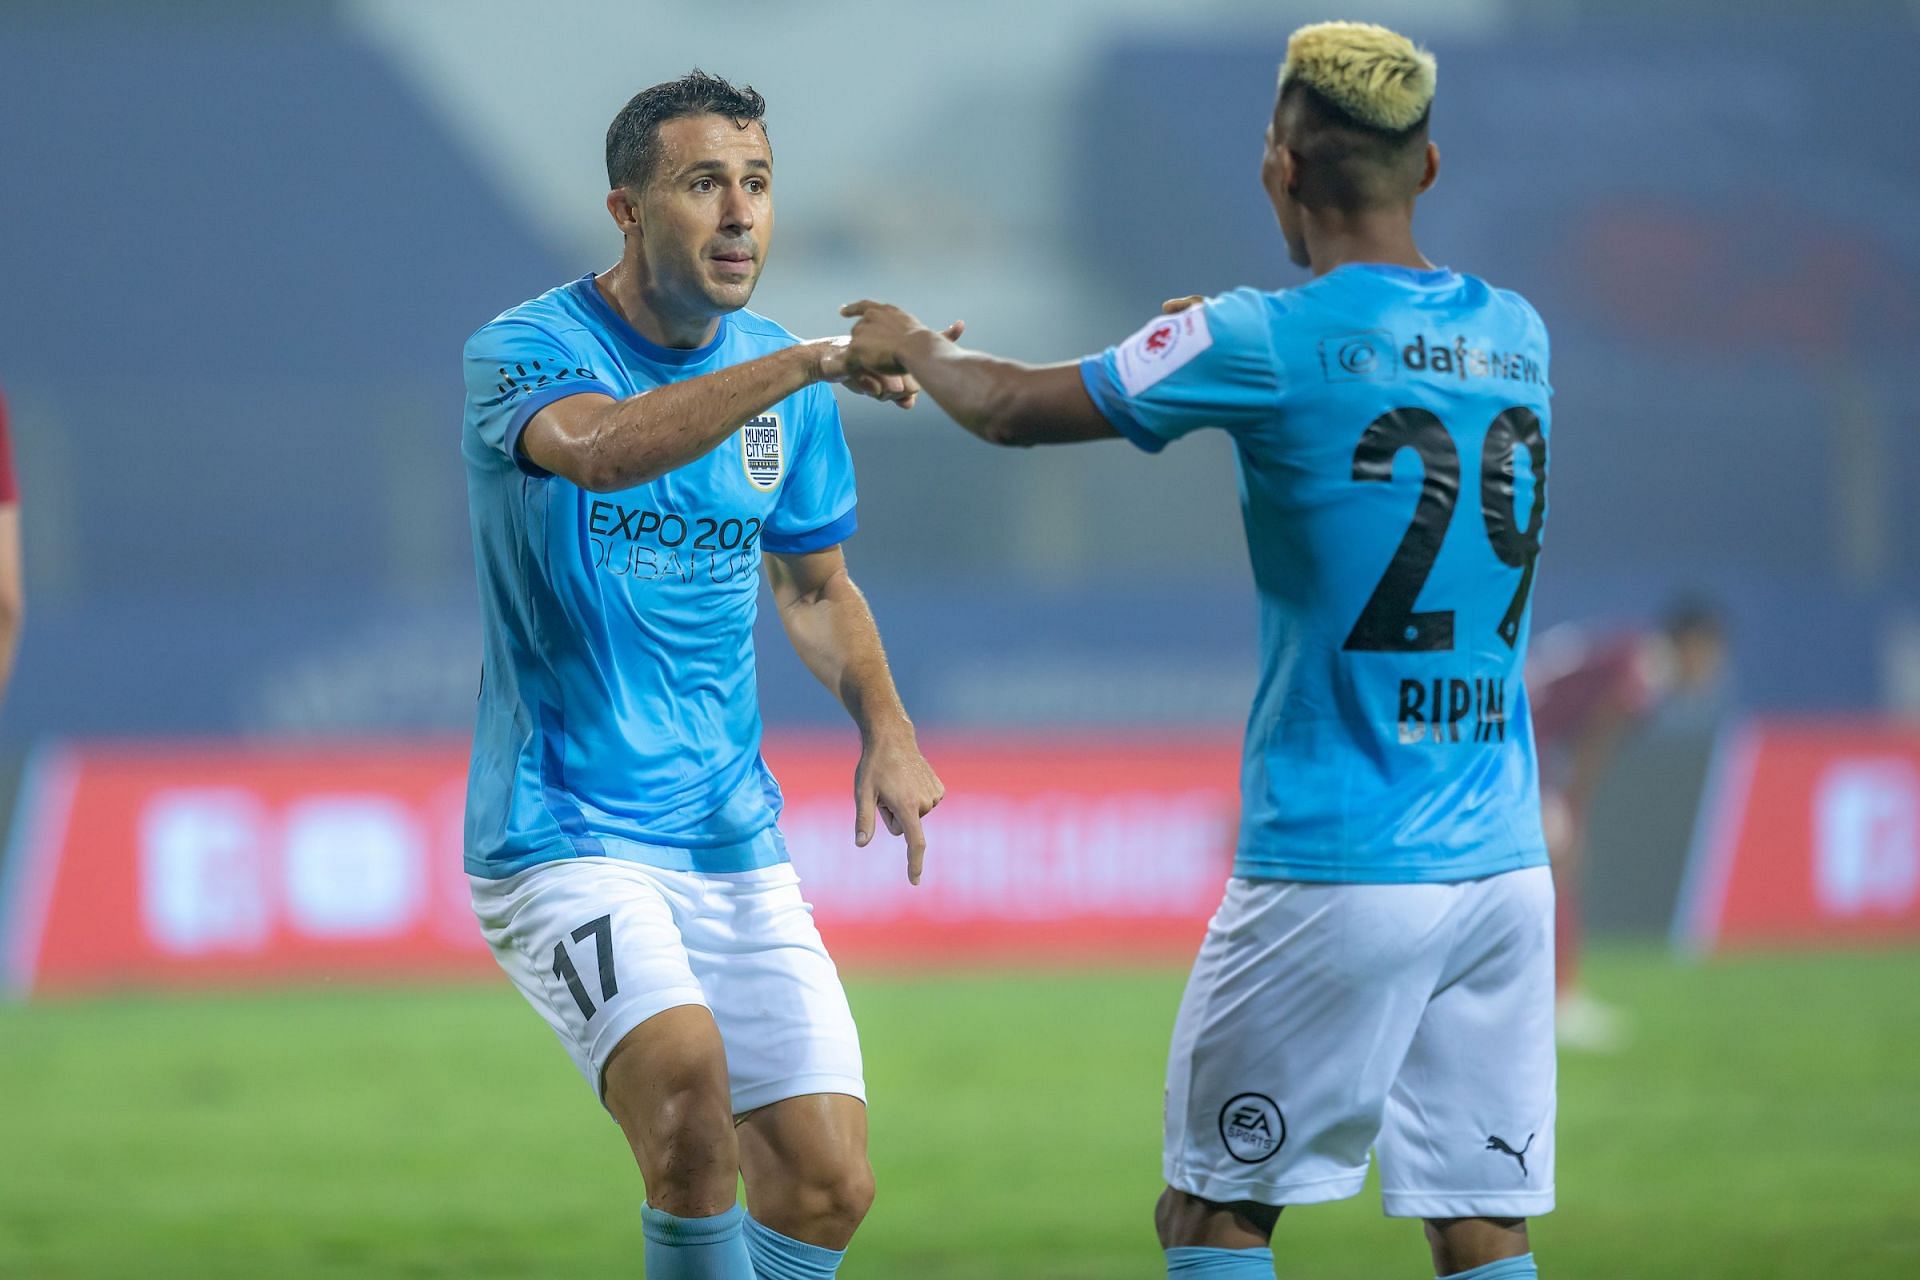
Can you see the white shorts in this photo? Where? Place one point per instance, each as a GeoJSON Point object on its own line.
{"type": "Point", "coordinates": [599, 945]}
{"type": "Point", "coordinates": [1325, 1020]}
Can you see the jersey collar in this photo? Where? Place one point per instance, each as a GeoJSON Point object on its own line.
{"type": "Point", "coordinates": [1413, 275]}
{"type": "Point", "coordinates": [617, 325]}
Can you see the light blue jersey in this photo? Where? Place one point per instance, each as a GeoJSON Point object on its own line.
{"type": "Point", "coordinates": [1392, 429]}
{"type": "Point", "coordinates": [618, 710]}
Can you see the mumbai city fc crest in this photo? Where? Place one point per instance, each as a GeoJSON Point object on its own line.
{"type": "Point", "coordinates": [760, 451]}
{"type": "Point", "coordinates": [1252, 1127]}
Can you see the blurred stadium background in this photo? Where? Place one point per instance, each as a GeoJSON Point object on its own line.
{"type": "Point", "coordinates": [243, 244]}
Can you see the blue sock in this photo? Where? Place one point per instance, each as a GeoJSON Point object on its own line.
{"type": "Point", "coordinates": [1220, 1264]}
{"type": "Point", "coordinates": [1520, 1268]}
{"type": "Point", "coordinates": [778, 1257]}
{"type": "Point", "coordinates": [695, 1248]}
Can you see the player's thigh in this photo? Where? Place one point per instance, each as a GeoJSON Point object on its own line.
{"type": "Point", "coordinates": [594, 945]}
{"type": "Point", "coordinates": [774, 990]}
{"type": "Point", "coordinates": [1469, 1129]}
{"type": "Point", "coordinates": [1301, 1003]}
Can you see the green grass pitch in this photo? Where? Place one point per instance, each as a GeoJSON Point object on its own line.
{"type": "Point", "coordinates": [1765, 1122]}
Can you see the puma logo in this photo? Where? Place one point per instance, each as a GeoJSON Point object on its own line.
{"type": "Point", "coordinates": [1500, 1144]}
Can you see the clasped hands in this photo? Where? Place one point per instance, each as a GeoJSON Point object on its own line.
{"type": "Point", "coordinates": [871, 360]}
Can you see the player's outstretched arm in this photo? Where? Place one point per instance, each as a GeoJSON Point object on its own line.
{"type": "Point", "coordinates": [833, 631]}
{"type": "Point", "coordinates": [604, 444]}
{"type": "Point", "coordinates": [1001, 401]}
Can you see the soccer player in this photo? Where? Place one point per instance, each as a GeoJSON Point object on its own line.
{"type": "Point", "coordinates": [638, 446]}
{"type": "Point", "coordinates": [12, 587]}
{"type": "Point", "coordinates": [1380, 973]}
{"type": "Point", "coordinates": [1588, 693]}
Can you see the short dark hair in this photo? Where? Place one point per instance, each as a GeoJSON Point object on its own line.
{"type": "Point", "coordinates": [1690, 616]}
{"type": "Point", "coordinates": [633, 139]}
{"type": "Point", "coordinates": [1360, 164]}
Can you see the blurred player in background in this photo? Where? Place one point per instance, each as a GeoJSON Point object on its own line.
{"type": "Point", "coordinates": [13, 601]}
{"type": "Point", "coordinates": [1589, 693]}
{"type": "Point", "coordinates": [638, 445]}
{"type": "Point", "coordinates": [1381, 969]}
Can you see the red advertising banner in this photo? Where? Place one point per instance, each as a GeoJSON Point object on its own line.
{"type": "Point", "coordinates": [1809, 834]}
{"type": "Point", "coordinates": [1044, 847]}
{"type": "Point", "coordinates": [176, 865]}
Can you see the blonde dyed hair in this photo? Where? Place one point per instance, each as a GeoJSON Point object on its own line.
{"type": "Point", "coordinates": [1377, 76]}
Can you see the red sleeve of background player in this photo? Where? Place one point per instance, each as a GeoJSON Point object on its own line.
{"type": "Point", "coordinates": [9, 490]}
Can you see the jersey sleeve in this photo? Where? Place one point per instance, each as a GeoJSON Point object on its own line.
{"type": "Point", "coordinates": [816, 506]}
{"type": "Point", "coordinates": [513, 371]}
{"type": "Point", "coordinates": [1208, 366]}
{"type": "Point", "coordinates": [9, 486]}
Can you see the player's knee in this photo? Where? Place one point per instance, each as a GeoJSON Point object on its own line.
{"type": "Point", "coordinates": [839, 1191]}
{"type": "Point", "coordinates": [666, 1085]}
{"type": "Point", "coordinates": [1461, 1244]}
{"type": "Point", "coordinates": [1182, 1220]}
{"type": "Point", "coordinates": [694, 1120]}
{"type": "Point", "coordinates": [857, 1193]}
{"type": "Point", "coordinates": [1167, 1217]}
{"type": "Point", "coordinates": [821, 1197]}
{"type": "Point", "coordinates": [688, 1152]}
{"type": "Point", "coordinates": [1179, 1219]}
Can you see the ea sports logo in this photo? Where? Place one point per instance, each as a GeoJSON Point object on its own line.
{"type": "Point", "coordinates": [1252, 1127]}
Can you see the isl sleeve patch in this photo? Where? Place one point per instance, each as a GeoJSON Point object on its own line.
{"type": "Point", "coordinates": [1162, 347]}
